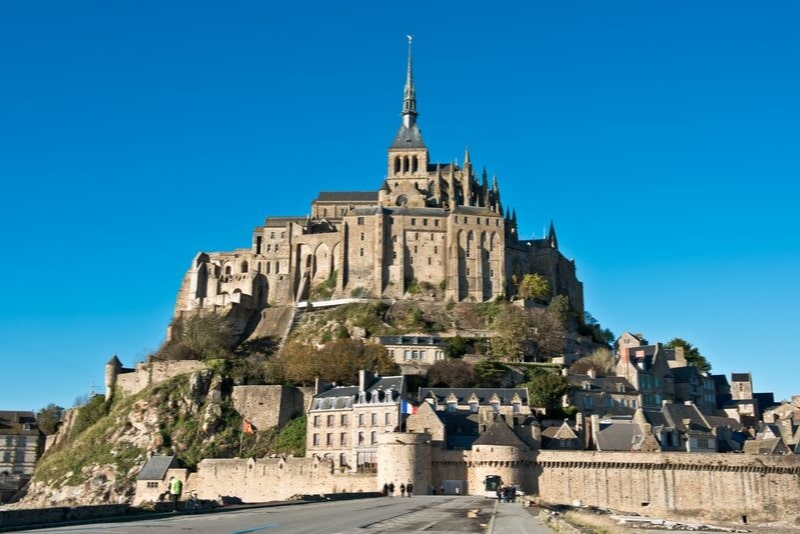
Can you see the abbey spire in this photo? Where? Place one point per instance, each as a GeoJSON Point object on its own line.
{"type": "Point", "coordinates": [409, 136]}
{"type": "Point", "coordinates": [409, 93]}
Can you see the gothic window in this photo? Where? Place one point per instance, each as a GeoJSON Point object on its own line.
{"type": "Point", "coordinates": [405, 164]}
{"type": "Point", "coordinates": [414, 164]}
{"type": "Point", "coordinates": [397, 164]}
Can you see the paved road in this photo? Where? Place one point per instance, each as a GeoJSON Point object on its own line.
{"type": "Point", "coordinates": [432, 514]}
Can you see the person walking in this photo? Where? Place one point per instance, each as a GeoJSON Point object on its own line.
{"type": "Point", "coordinates": [409, 489]}
{"type": "Point", "coordinates": [391, 489]}
{"type": "Point", "coordinates": [175, 488]}
{"type": "Point", "coordinates": [402, 490]}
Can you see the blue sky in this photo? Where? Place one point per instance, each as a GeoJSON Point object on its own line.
{"type": "Point", "coordinates": [660, 137]}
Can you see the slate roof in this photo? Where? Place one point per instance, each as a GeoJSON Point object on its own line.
{"type": "Point", "coordinates": [156, 467]}
{"type": "Point", "coordinates": [14, 422]}
{"type": "Point", "coordinates": [411, 340]}
{"type": "Point", "coordinates": [342, 397]}
{"type": "Point", "coordinates": [408, 138]}
{"type": "Point", "coordinates": [610, 384]}
{"type": "Point", "coordinates": [499, 433]}
{"type": "Point", "coordinates": [618, 436]}
{"type": "Point", "coordinates": [347, 196]}
{"type": "Point", "coordinates": [483, 394]}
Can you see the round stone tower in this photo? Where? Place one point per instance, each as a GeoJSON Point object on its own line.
{"type": "Point", "coordinates": [404, 457]}
{"type": "Point", "coordinates": [113, 368]}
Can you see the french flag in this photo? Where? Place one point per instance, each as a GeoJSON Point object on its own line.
{"type": "Point", "coordinates": [407, 407]}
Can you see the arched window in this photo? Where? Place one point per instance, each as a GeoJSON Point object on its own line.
{"type": "Point", "coordinates": [396, 164]}
{"type": "Point", "coordinates": [414, 164]}
{"type": "Point", "coordinates": [405, 164]}
{"type": "Point", "coordinates": [244, 266]}
{"type": "Point", "coordinates": [228, 269]}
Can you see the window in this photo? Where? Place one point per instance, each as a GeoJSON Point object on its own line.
{"type": "Point", "coordinates": [269, 247]}
{"type": "Point", "coordinates": [316, 421]}
{"type": "Point", "coordinates": [361, 220]}
{"type": "Point", "coordinates": [366, 462]}
{"type": "Point", "coordinates": [387, 418]}
{"type": "Point", "coordinates": [413, 222]}
{"type": "Point", "coordinates": [374, 419]}
{"type": "Point", "coordinates": [330, 420]}
{"type": "Point", "coordinates": [343, 439]}
{"type": "Point", "coordinates": [362, 236]}
{"type": "Point", "coordinates": [315, 440]}
{"type": "Point", "coordinates": [361, 419]}
{"type": "Point", "coordinates": [360, 438]}
{"type": "Point", "coordinates": [424, 222]}
{"type": "Point", "coordinates": [329, 440]}
{"type": "Point", "coordinates": [373, 437]}
{"type": "Point", "coordinates": [361, 252]}
{"type": "Point", "coordinates": [152, 484]}
{"type": "Point", "coordinates": [436, 250]}
{"type": "Point", "coordinates": [436, 222]}
{"type": "Point", "coordinates": [343, 420]}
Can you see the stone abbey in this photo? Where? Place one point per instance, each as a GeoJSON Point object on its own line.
{"type": "Point", "coordinates": [440, 224]}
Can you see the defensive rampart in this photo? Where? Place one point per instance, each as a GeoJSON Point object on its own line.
{"type": "Point", "coordinates": [151, 373]}
{"type": "Point", "coordinates": [711, 486]}
{"type": "Point", "coordinates": [274, 479]}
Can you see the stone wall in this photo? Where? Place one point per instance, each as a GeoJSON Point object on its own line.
{"type": "Point", "coordinates": [270, 406]}
{"type": "Point", "coordinates": [274, 479]}
{"type": "Point", "coordinates": [710, 486]}
{"type": "Point", "coordinates": [151, 373]}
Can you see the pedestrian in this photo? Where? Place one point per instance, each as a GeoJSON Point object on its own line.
{"type": "Point", "coordinates": [386, 490]}
{"type": "Point", "coordinates": [409, 489]}
{"type": "Point", "coordinates": [441, 489]}
{"type": "Point", "coordinates": [402, 490]}
{"type": "Point", "coordinates": [499, 493]}
{"type": "Point", "coordinates": [458, 490]}
{"type": "Point", "coordinates": [391, 489]}
{"type": "Point", "coordinates": [175, 488]}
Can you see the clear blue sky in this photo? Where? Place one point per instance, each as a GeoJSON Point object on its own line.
{"type": "Point", "coordinates": [660, 137]}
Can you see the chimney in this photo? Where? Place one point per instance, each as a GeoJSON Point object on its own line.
{"type": "Point", "coordinates": [594, 421]}
{"type": "Point", "coordinates": [363, 379]}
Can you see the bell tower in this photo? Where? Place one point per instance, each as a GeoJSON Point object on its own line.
{"type": "Point", "coordinates": [408, 155]}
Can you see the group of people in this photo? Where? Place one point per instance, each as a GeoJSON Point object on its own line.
{"type": "Point", "coordinates": [406, 490]}
{"type": "Point", "coordinates": [506, 493]}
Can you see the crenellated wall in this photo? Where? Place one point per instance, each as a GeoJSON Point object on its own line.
{"type": "Point", "coordinates": [713, 486]}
